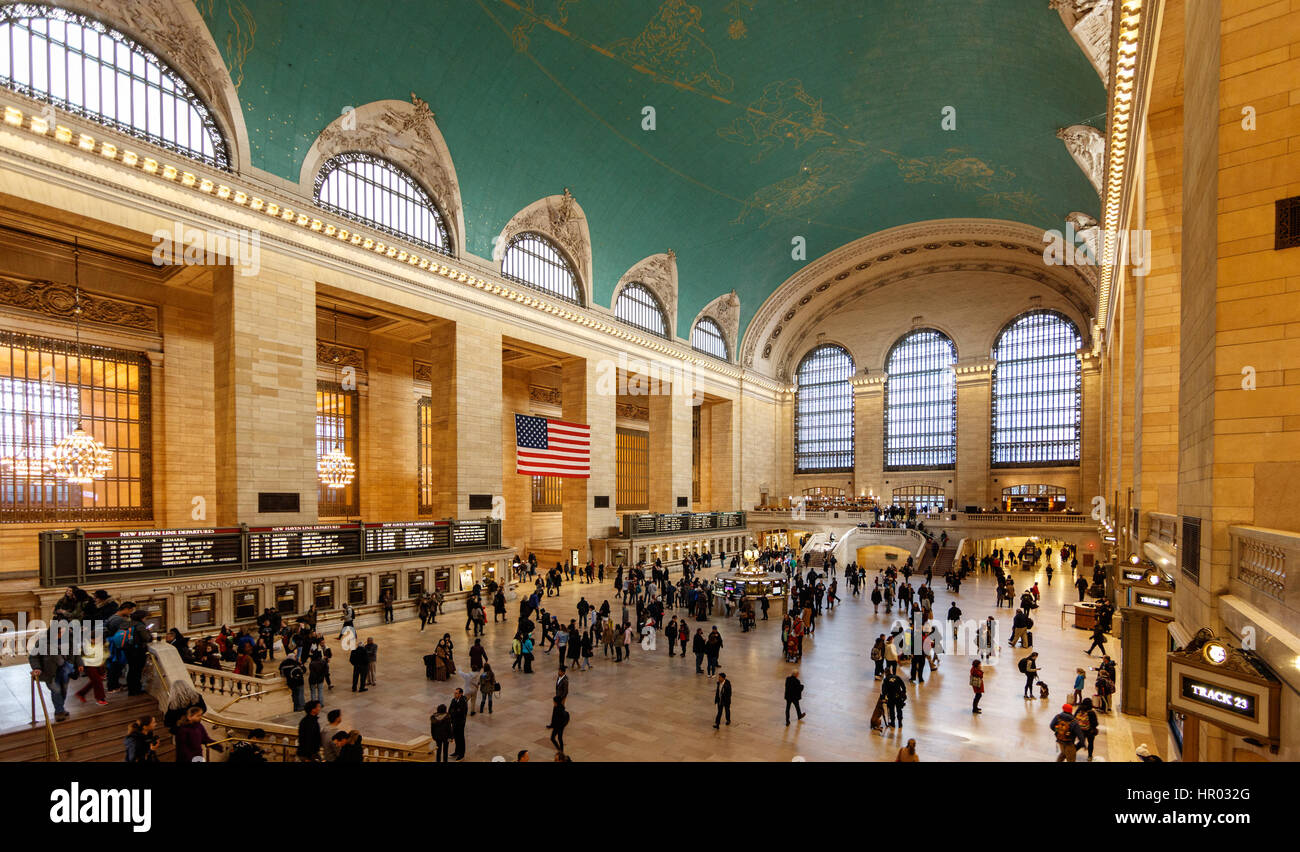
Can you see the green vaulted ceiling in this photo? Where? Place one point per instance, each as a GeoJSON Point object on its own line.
{"type": "Point", "coordinates": [774, 118]}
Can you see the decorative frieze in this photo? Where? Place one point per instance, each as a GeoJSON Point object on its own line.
{"type": "Point", "coordinates": [59, 300]}
{"type": "Point", "coordinates": [338, 355]}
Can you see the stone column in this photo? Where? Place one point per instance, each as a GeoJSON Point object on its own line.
{"type": "Point", "coordinates": [466, 381]}
{"type": "Point", "coordinates": [388, 491]}
{"type": "Point", "coordinates": [1090, 447]}
{"type": "Point", "coordinates": [869, 435]}
{"type": "Point", "coordinates": [670, 450]}
{"type": "Point", "coordinates": [974, 401]}
{"type": "Point", "coordinates": [516, 526]}
{"type": "Point", "coordinates": [721, 485]}
{"type": "Point", "coordinates": [587, 399]}
{"type": "Point", "coordinates": [264, 392]}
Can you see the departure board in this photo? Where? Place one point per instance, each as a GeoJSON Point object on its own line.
{"type": "Point", "coordinates": [469, 534]}
{"type": "Point", "coordinates": [154, 551]}
{"type": "Point", "coordinates": [399, 539]}
{"type": "Point", "coordinates": [289, 544]}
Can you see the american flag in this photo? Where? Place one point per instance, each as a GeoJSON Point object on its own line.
{"type": "Point", "coordinates": [546, 447]}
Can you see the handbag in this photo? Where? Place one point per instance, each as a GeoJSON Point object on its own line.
{"type": "Point", "coordinates": [496, 687]}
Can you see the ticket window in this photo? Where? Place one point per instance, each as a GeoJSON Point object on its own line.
{"type": "Point", "coordinates": [466, 578]}
{"type": "Point", "coordinates": [155, 615]}
{"type": "Point", "coordinates": [247, 603]}
{"type": "Point", "coordinates": [388, 587]}
{"type": "Point", "coordinates": [489, 572]}
{"type": "Point", "coordinates": [442, 579]}
{"type": "Point", "coordinates": [322, 594]}
{"type": "Point", "coordinates": [415, 584]}
{"type": "Point", "coordinates": [286, 599]}
{"type": "Point", "coordinates": [202, 610]}
{"type": "Point", "coordinates": [357, 591]}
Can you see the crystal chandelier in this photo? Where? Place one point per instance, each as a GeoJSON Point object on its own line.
{"type": "Point", "coordinates": [78, 457]}
{"type": "Point", "coordinates": [335, 469]}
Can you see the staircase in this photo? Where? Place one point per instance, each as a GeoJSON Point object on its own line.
{"type": "Point", "coordinates": [94, 734]}
{"type": "Point", "coordinates": [939, 562]}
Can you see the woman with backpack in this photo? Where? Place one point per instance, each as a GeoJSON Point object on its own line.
{"type": "Point", "coordinates": [1086, 718]}
{"type": "Point", "coordinates": [1029, 668]}
{"type": "Point", "coordinates": [878, 656]}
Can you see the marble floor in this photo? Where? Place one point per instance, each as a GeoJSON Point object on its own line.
{"type": "Point", "coordinates": [656, 708]}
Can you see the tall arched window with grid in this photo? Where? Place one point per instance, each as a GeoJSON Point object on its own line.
{"type": "Point", "coordinates": [535, 261]}
{"type": "Point", "coordinates": [823, 417]}
{"type": "Point", "coordinates": [1037, 398]}
{"type": "Point", "coordinates": [85, 67]}
{"type": "Point", "coordinates": [921, 402]}
{"type": "Point", "coordinates": [707, 337]}
{"type": "Point", "coordinates": [637, 306]}
{"type": "Point", "coordinates": [379, 194]}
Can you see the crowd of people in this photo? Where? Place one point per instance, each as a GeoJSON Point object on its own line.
{"type": "Point", "coordinates": [647, 605]}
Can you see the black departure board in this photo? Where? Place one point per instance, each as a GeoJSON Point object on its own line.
{"type": "Point", "coordinates": [637, 525]}
{"type": "Point", "coordinates": [469, 534]}
{"type": "Point", "coordinates": [399, 539]}
{"type": "Point", "coordinates": [154, 551]}
{"type": "Point", "coordinates": [301, 543]}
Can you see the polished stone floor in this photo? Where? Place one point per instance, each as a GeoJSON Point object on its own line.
{"type": "Point", "coordinates": [656, 708]}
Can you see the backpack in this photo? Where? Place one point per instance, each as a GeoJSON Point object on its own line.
{"type": "Point", "coordinates": [876, 653]}
{"type": "Point", "coordinates": [1062, 728]}
{"type": "Point", "coordinates": [294, 676]}
{"type": "Point", "coordinates": [1023, 665]}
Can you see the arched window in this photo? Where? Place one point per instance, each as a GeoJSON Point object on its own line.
{"type": "Point", "coordinates": [1036, 391]}
{"type": "Point", "coordinates": [637, 306]}
{"type": "Point", "coordinates": [535, 261]}
{"type": "Point", "coordinates": [85, 67]}
{"type": "Point", "coordinates": [921, 402]}
{"type": "Point", "coordinates": [823, 413]}
{"type": "Point", "coordinates": [373, 191]}
{"type": "Point", "coordinates": [707, 337]}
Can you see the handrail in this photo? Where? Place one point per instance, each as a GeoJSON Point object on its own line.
{"type": "Point", "coordinates": [285, 751]}
{"type": "Point", "coordinates": [51, 744]}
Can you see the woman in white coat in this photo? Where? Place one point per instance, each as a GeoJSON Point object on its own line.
{"type": "Point", "coordinates": [650, 633]}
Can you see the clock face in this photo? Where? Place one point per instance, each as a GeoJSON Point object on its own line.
{"type": "Point", "coordinates": [1216, 653]}
{"type": "Point", "coordinates": [1153, 579]}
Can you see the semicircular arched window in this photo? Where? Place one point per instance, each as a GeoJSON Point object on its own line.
{"type": "Point", "coordinates": [921, 402]}
{"type": "Point", "coordinates": [637, 305]}
{"type": "Point", "coordinates": [1037, 401]}
{"type": "Point", "coordinates": [823, 413]}
{"type": "Point", "coordinates": [375, 192]}
{"type": "Point", "coordinates": [85, 67]}
{"type": "Point", "coordinates": [534, 261]}
{"type": "Point", "coordinates": [707, 337]}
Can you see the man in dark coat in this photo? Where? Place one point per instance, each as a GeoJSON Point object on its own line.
{"type": "Point", "coordinates": [309, 741]}
{"type": "Point", "coordinates": [559, 719]}
{"type": "Point", "coordinates": [698, 647]}
{"type": "Point", "coordinates": [722, 698]}
{"type": "Point", "coordinates": [459, 711]}
{"type": "Point", "coordinates": [793, 692]}
{"type": "Point", "coordinates": [562, 686]}
{"type": "Point", "coordinates": [360, 661]}
{"type": "Point", "coordinates": [1082, 585]}
{"type": "Point", "coordinates": [895, 692]}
